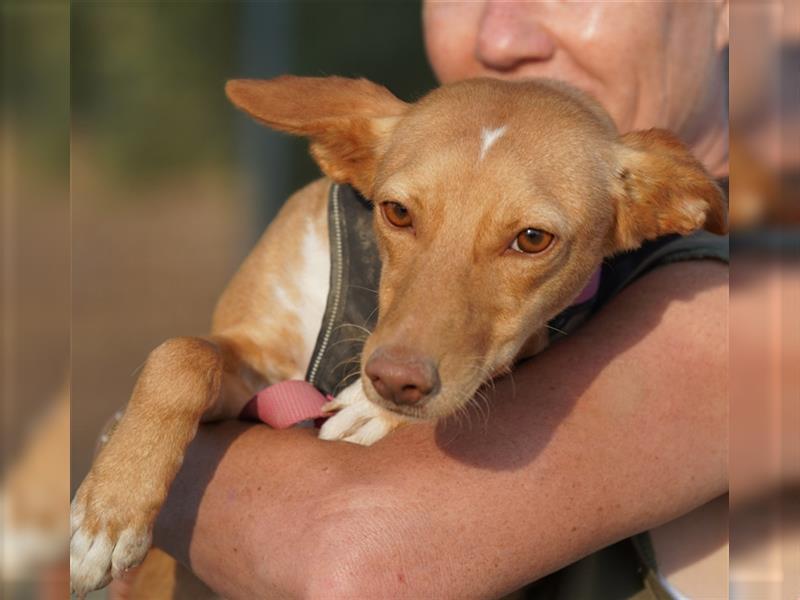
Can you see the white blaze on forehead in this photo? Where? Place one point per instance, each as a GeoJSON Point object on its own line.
{"type": "Point", "coordinates": [489, 137]}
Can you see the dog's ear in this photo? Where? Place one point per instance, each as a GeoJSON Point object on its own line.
{"type": "Point", "coordinates": [347, 120]}
{"type": "Point", "coordinates": [661, 188]}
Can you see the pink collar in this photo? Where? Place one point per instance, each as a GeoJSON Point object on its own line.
{"type": "Point", "coordinates": [591, 288]}
{"type": "Point", "coordinates": [284, 404]}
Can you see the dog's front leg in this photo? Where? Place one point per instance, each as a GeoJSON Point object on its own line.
{"type": "Point", "coordinates": [115, 507]}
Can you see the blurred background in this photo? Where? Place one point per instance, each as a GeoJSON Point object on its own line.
{"type": "Point", "coordinates": [170, 185]}
{"type": "Point", "coordinates": [34, 297]}
{"type": "Point", "coordinates": [131, 191]}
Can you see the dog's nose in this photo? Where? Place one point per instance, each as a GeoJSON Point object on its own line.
{"type": "Point", "coordinates": [402, 376]}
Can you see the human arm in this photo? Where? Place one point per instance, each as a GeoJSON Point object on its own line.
{"type": "Point", "coordinates": [617, 429]}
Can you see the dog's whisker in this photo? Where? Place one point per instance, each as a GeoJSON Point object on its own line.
{"type": "Point", "coordinates": [347, 362]}
{"type": "Point", "coordinates": [347, 378]}
{"type": "Point", "coordinates": [372, 313]}
{"type": "Point", "coordinates": [359, 327]}
{"type": "Point", "coordinates": [471, 406]}
{"type": "Point", "coordinates": [513, 384]}
{"type": "Point", "coordinates": [353, 360]}
{"type": "Point", "coordinates": [462, 415]}
{"type": "Point", "coordinates": [557, 330]}
{"type": "Point", "coordinates": [357, 331]}
{"type": "Point", "coordinates": [139, 368]}
{"type": "Point", "coordinates": [479, 401]}
{"type": "Point", "coordinates": [354, 337]}
{"type": "Point", "coordinates": [488, 406]}
{"type": "Point", "coordinates": [477, 410]}
{"type": "Point", "coordinates": [361, 287]}
{"type": "Point", "coordinates": [346, 340]}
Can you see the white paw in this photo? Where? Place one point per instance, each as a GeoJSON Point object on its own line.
{"type": "Point", "coordinates": [98, 551]}
{"type": "Point", "coordinates": [358, 420]}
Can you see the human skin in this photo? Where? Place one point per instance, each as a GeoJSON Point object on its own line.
{"type": "Point", "coordinates": [583, 454]}
{"type": "Point", "coordinates": [651, 64]}
{"type": "Point", "coordinates": [615, 430]}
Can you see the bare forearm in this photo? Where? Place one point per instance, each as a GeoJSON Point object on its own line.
{"type": "Point", "coordinates": [614, 431]}
{"type": "Point", "coordinates": [241, 510]}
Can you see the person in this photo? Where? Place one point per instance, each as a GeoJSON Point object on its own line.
{"type": "Point", "coordinates": [616, 430]}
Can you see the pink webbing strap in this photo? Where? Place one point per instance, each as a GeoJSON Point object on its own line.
{"type": "Point", "coordinates": [591, 288]}
{"type": "Point", "coordinates": [285, 404]}
{"type": "Point", "coordinates": [289, 402]}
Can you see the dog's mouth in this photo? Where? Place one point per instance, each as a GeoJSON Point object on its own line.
{"type": "Point", "coordinates": [435, 407]}
{"type": "Point", "coordinates": [409, 414]}
{"type": "Point", "coordinates": [416, 413]}
{"type": "Point", "coordinates": [428, 388]}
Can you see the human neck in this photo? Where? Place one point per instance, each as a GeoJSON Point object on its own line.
{"type": "Point", "coordinates": [711, 148]}
{"type": "Point", "coordinates": [709, 138]}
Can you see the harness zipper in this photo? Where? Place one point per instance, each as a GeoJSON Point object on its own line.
{"type": "Point", "coordinates": [337, 284]}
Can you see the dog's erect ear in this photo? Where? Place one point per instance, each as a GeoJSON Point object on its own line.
{"type": "Point", "coordinates": [347, 120]}
{"type": "Point", "coordinates": [661, 189]}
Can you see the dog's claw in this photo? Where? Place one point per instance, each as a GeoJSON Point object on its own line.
{"type": "Point", "coordinates": [357, 420]}
{"type": "Point", "coordinates": [331, 407]}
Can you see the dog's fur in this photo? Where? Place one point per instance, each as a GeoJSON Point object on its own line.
{"type": "Point", "coordinates": [475, 163]}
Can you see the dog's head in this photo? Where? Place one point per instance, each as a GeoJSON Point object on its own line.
{"type": "Point", "coordinates": [495, 203]}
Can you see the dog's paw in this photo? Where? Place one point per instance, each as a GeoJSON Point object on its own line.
{"type": "Point", "coordinates": [103, 545]}
{"type": "Point", "coordinates": [357, 420]}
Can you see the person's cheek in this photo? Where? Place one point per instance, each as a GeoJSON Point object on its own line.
{"type": "Point", "coordinates": [450, 30]}
{"type": "Point", "coordinates": [620, 49]}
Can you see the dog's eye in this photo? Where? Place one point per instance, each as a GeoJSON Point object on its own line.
{"type": "Point", "coordinates": [396, 214]}
{"type": "Point", "coordinates": [532, 241]}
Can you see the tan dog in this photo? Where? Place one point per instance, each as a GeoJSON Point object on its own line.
{"type": "Point", "coordinates": [496, 201]}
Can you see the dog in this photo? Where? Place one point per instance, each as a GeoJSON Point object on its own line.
{"type": "Point", "coordinates": [494, 202]}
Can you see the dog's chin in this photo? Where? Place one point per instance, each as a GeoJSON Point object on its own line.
{"type": "Point", "coordinates": [414, 413]}
{"type": "Point", "coordinates": [409, 412]}
{"type": "Point", "coordinates": [431, 411]}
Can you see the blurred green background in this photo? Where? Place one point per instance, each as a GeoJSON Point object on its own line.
{"type": "Point", "coordinates": [147, 79]}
